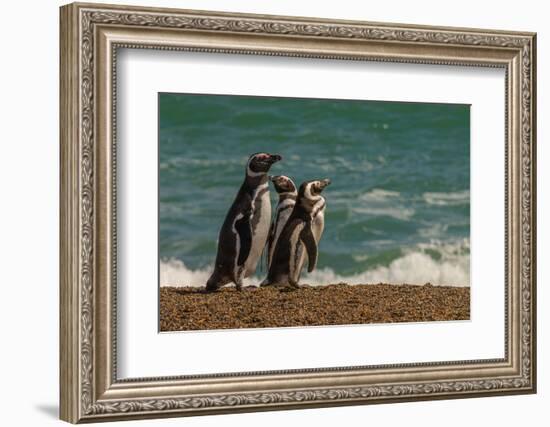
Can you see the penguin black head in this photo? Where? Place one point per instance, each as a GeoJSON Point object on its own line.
{"type": "Point", "coordinates": [260, 163]}
{"type": "Point", "coordinates": [283, 184]}
{"type": "Point", "coordinates": [310, 192]}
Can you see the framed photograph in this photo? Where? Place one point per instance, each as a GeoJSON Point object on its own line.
{"type": "Point", "coordinates": [265, 213]}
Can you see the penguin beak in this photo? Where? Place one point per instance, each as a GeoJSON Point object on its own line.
{"type": "Point", "coordinates": [274, 158]}
{"type": "Point", "coordinates": [325, 183]}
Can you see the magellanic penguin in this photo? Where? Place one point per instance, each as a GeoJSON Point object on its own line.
{"type": "Point", "coordinates": [300, 236]}
{"type": "Point", "coordinates": [287, 191]}
{"type": "Point", "coordinates": [244, 232]}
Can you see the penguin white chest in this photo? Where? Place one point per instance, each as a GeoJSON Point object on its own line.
{"type": "Point", "coordinates": [263, 210]}
{"type": "Point", "coordinates": [261, 221]}
{"type": "Point", "coordinates": [319, 225]}
{"type": "Point", "coordinates": [284, 210]}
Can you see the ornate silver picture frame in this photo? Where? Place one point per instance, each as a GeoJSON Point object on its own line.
{"type": "Point", "coordinates": [91, 34]}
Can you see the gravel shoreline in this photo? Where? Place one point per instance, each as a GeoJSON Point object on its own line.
{"type": "Point", "coordinates": [190, 308]}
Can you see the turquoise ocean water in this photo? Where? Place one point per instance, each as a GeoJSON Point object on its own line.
{"type": "Point", "coordinates": [398, 208]}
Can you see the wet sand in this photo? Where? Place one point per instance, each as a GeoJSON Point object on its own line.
{"type": "Point", "coordinates": [190, 308]}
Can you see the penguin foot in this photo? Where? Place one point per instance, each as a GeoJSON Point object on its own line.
{"type": "Point", "coordinates": [216, 282]}
{"type": "Point", "coordinates": [212, 286]}
{"type": "Point", "coordinates": [282, 286]}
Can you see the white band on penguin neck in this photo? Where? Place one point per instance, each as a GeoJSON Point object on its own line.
{"type": "Point", "coordinates": [308, 194]}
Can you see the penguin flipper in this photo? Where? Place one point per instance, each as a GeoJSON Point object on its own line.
{"type": "Point", "coordinates": [269, 243]}
{"type": "Point", "coordinates": [311, 247]}
{"type": "Point", "coordinates": [244, 230]}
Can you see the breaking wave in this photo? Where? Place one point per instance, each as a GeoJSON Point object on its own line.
{"type": "Point", "coordinates": [379, 202]}
{"type": "Point", "coordinates": [436, 263]}
{"type": "Point", "coordinates": [416, 268]}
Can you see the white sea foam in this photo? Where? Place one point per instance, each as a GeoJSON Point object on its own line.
{"type": "Point", "coordinates": [174, 272]}
{"type": "Point", "coordinates": [433, 231]}
{"type": "Point", "coordinates": [447, 199]}
{"type": "Point", "coordinates": [416, 266]}
{"type": "Point", "coordinates": [379, 202]}
{"type": "Point", "coordinates": [403, 214]}
{"type": "Point", "coordinates": [379, 194]}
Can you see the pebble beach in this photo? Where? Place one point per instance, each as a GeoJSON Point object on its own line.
{"type": "Point", "coordinates": [190, 308]}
